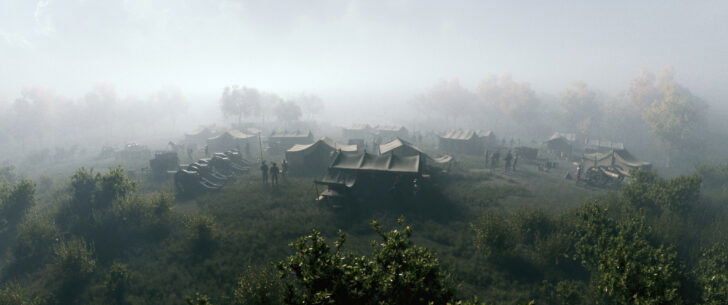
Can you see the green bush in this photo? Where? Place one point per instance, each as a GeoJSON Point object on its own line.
{"type": "Point", "coordinates": [72, 269]}
{"type": "Point", "coordinates": [397, 272]}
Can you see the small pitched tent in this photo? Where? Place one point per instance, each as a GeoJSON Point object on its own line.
{"type": "Point", "coordinates": [462, 141]}
{"type": "Point", "coordinates": [391, 132]}
{"type": "Point", "coordinates": [619, 158]}
{"type": "Point", "coordinates": [200, 135]}
{"type": "Point", "coordinates": [369, 175]}
{"type": "Point", "coordinates": [314, 159]}
{"type": "Point", "coordinates": [230, 140]}
{"type": "Point", "coordinates": [559, 144]}
{"type": "Point", "coordinates": [358, 132]}
{"type": "Point", "coordinates": [488, 138]}
{"type": "Point", "coordinates": [282, 141]}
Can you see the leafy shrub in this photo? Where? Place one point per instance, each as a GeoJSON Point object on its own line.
{"type": "Point", "coordinates": [73, 267]}
{"type": "Point", "coordinates": [712, 275]}
{"type": "Point", "coordinates": [650, 191]}
{"type": "Point", "coordinates": [36, 238]}
{"type": "Point", "coordinates": [626, 268]}
{"type": "Point", "coordinates": [397, 272]}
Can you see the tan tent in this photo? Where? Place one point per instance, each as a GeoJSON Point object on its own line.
{"type": "Point", "coordinates": [402, 148]}
{"type": "Point", "coordinates": [369, 175]}
{"type": "Point", "coordinates": [391, 132]}
{"type": "Point", "coordinates": [230, 140]}
{"type": "Point", "coordinates": [282, 141]}
{"type": "Point", "coordinates": [200, 135]}
{"type": "Point", "coordinates": [313, 159]}
{"type": "Point", "coordinates": [462, 141]}
{"type": "Point", "coordinates": [358, 131]}
{"type": "Point", "coordinates": [619, 158]}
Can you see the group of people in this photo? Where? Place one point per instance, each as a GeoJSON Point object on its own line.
{"type": "Point", "coordinates": [273, 171]}
{"type": "Point", "coordinates": [492, 160]}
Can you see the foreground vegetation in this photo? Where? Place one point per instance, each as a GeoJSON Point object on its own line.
{"type": "Point", "coordinates": [105, 241]}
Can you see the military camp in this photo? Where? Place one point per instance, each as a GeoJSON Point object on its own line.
{"type": "Point", "coordinates": [243, 152]}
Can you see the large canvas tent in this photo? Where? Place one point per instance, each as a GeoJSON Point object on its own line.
{"type": "Point", "coordinates": [230, 140]}
{"type": "Point", "coordinates": [313, 159]}
{"type": "Point", "coordinates": [282, 141]}
{"type": "Point", "coordinates": [462, 141]}
{"type": "Point", "coordinates": [402, 148]}
{"type": "Point", "coordinates": [619, 158]}
{"type": "Point", "coordinates": [368, 175]}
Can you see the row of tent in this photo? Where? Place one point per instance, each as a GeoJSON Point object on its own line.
{"type": "Point", "coordinates": [467, 141]}
{"type": "Point", "coordinates": [208, 174]}
{"type": "Point", "coordinates": [384, 132]}
{"type": "Point", "coordinates": [314, 159]}
{"type": "Point", "coordinates": [348, 170]}
{"type": "Point", "coordinates": [219, 140]}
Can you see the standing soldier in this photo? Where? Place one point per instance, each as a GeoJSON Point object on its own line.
{"type": "Point", "coordinates": [578, 172]}
{"type": "Point", "coordinates": [274, 174]}
{"type": "Point", "coordinates": [264, 171]}
{"type": "Point", "coordinates": [494, 159]}
{"type": "Point", "coordinates": [508, 159]}
{"type": "Point", "coordinates": [284, 168]}
{"type": "Point", "coordinates": [487, 158]}
{"type": "Point", "coordinates": [515, 160]}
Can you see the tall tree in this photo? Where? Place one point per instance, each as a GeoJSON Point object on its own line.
{"type": "Point", "coordinates": [311, 104]}
{"type": "Point", "coordinates": [287, 111]}
{"type": "Point", "coordinates": [676, 116]}
{"type": "Point", "coordinates": [240, 101]}
{"type": "Point", "coordinates": [580, 108]}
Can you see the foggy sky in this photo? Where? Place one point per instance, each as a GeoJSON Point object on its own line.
{"type": "Point", "coordinates": [337, 47]}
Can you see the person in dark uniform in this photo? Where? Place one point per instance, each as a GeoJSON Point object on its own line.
{"type": "Point", "coordinates": [508, 159]}
{"type": "Point", "coordinates": [274, 170]}
{"type": "Point", "coordinates": [264, 171]}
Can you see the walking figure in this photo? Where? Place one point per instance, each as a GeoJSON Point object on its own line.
{"type": "Point", "coordinates": [284, 168]}
{"type": "Point", "coordinates": [264, 171]}
{"type": "Point", "coordinates": [515, 160]}
{"type": "Point", "coordinates": [274, 174]}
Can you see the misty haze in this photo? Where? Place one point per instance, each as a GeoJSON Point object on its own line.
{"type": "Point", "coordinates": [363, 152]}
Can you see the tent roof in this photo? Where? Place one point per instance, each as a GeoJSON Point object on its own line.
{"type": "Point", "coordinates": [323, 141]}
{"type": "Point", "coordinates": [204, 129]}
{"type": "Point", "coordinates": [359, 127]}
{"type": "Point", "coordinates": [381, 163]}
{"type": "Point", "coordinates": [390, 128]}
{"type": "Point", "coordinates": [460, 134]}
{"type": "Point", "coordinates": [622, 157]}
{"type": "Point", "coordinates": [567, 136]}
{"type": "Point", "coordinates": [606, 144]}
{"type": "Point", "coordinates": [292, 134]}
{"type": "Point", "coordinates": [347, 179]}
{"type": "Point", "coordinates": [485, 134]}
{"type": "Point", "coordinates": [397, 143]}
{"type": "Point", "coordinates": [233, 134]}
